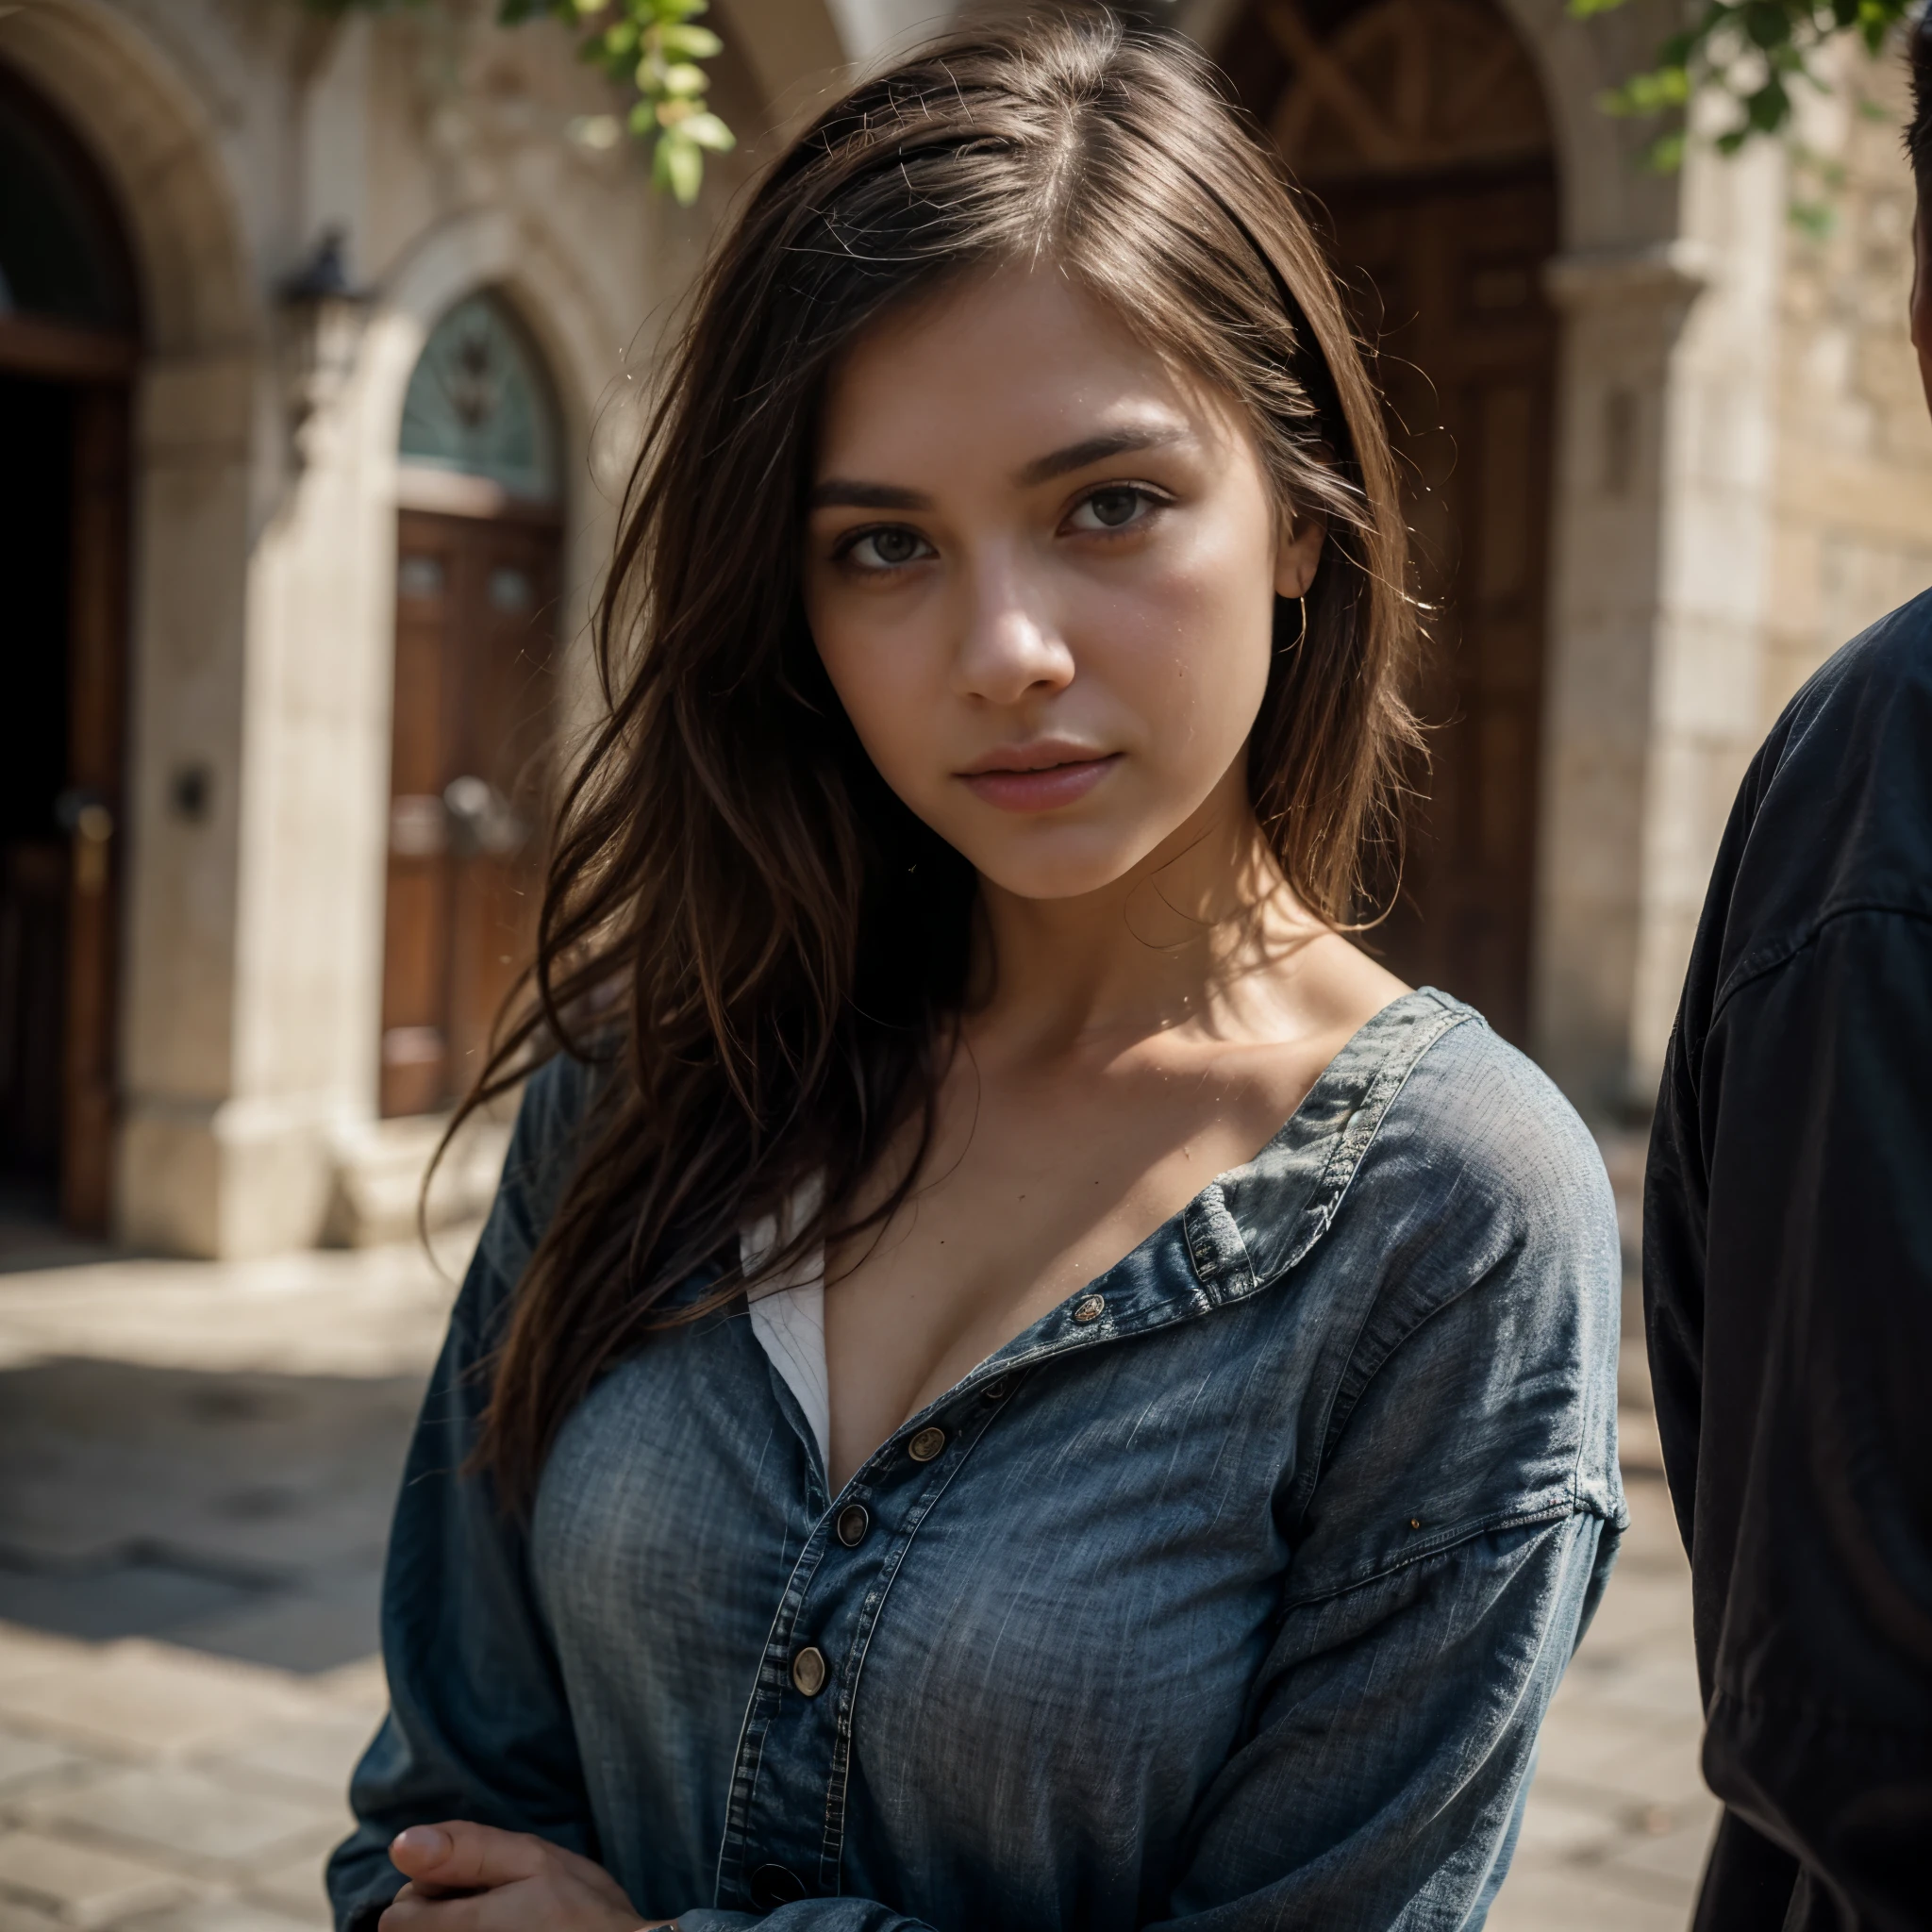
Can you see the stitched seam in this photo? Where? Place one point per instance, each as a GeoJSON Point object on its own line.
{"type": "Point", "coordinates": [1768, 960]}
{"type": "Point", "coordinates": [1305, 1487]}
{"type": "Point", "coordinates": [1445, 1541]}
{"type": "Point", "coordinates": [1344, 1160]}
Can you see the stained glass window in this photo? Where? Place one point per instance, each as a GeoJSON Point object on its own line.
{"type": "Point", "coordinates": [478, 402]}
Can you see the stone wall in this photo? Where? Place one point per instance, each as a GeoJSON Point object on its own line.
{"type": "Point", "coordinates": [1853, 503]}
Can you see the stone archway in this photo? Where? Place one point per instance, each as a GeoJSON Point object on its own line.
{"type": "Point", "coordinates": [188, 488]}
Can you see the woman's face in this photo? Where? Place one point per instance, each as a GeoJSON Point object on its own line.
{"type": "Point", "coordinates": [1041, 574]}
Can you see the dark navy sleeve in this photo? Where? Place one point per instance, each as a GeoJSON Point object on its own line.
{"type": "Point", "coordinates": [478, 1726]}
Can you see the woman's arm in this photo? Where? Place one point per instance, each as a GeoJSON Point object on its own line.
{"type": "Point", "coordinates": [477, 1727]}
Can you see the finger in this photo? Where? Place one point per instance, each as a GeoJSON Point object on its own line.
{"type": "Point", "coordinates": [538, 1905]}
{"type": "Point", "coordinates": [457, 1856]}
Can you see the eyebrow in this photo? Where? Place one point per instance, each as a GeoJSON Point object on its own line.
{"type": "Point", "coordinates": [840, 492]}
{"type": "Point", "coordinates": [1097, 449]}
{"type": "Point", "coordinates": [843, 493]}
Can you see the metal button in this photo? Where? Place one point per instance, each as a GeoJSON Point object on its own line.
{"type": "Point", "coordinates": [808, 1669]}
{"type": "Point", "coordinates": [995, 1390]}
{"type": "Point", "coordinates": [772, 1886]}
{"type": "Point", "coordinates": [926, 1444]}
{"type": "Point", "coordinates": [1091, 1309]}
{"type": "Point", "coordinates": [851, 1524]}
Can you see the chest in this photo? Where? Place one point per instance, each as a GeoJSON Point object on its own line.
{"type": "Point", "coordinates": [1032, 1188]}
{"type": "Point", "coordinates": [1049, 1622]}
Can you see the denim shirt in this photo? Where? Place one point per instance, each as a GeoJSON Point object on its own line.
{"type": "Point", "coordinates": [1229, 1594]}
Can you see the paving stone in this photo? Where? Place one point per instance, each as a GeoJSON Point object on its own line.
{"type": "Point", "coordinates": [315, 1756]}
{"type": "Point", "coordinates": [16, 1917]}
{"type": "Point", "coordinates": [179, 1812]}
{"type": "Point", "coordinates": [1541, 1900]}
{"type": "Point", "coordinates": [361, 1687]}
{"type": "Point", "coordinates": [1642, 1605]}
{"type": "Point", "coordinates": [223, 1915]}
{"type": "Point", "coordinates": [26, 1761]}
{"type": "Point", "coordinates": [1678, 1854]}
{"type": "Point", "coordinates": [1662, 1769]}
{"type": "Point", "coordinates": [1555, 1827]}
{"type": "Point", "coordinates": [299, 1630]}
{"type": "Point", "coordinates": [296, 1888]}
{"type": "Point", "coordinates": [82, 1883]}
{"type": "Point", "coordinates": [25, 1652]}
{"type": "Point", "coordinates": [139, 1697]}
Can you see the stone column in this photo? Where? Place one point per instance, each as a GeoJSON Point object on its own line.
{"type": "Point", "coordinates": [1663, 517]}
{"type": "Point", "coordinates": [1624, 310]}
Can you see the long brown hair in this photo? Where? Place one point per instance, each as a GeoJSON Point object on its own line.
{"type": "Point", "coordinates": [762, 950]}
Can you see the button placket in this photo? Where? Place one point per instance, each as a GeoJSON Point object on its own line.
{"type": "Point", "coordinates": [788, 1795]}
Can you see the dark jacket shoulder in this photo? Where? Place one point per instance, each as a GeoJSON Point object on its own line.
{"type": "Point", "coordinates": [1833, 816]}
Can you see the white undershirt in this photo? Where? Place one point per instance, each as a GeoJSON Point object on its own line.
{"type": "Point", "coordinates": [788, 1313]}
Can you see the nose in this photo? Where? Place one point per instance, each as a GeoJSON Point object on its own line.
{"type": "Point", "coordinates": [1010, 645]}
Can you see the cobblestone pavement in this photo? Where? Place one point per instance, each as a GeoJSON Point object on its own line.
{"type": "Point", "coordinates": [196, 1467]}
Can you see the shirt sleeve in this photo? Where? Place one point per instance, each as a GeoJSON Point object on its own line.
{"type": "Point", "coordinates": [1792, 1183]}
{"type": "Point", "coordinates": [478, 1726]}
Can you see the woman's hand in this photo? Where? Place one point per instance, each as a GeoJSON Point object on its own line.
{"type": "Point", "coordinates": [466, 1878]}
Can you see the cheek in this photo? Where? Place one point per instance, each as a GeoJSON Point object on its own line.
{"type": "Point", "coordinates": [1190, 648]}
{"type": "Point", "coordinates": [882, 669]}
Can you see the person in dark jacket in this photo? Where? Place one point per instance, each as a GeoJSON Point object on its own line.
{"type": "Point", "coordinates": [1788, 1284]}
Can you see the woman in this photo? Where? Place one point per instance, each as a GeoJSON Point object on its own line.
{"type": "Point", "coordinates": [879, 1476]}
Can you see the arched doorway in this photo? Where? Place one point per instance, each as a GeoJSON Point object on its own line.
{"type": "Point", "coordinates": [478, 556]}
{"type": "Point", "coordinates": [68, 348]}
{"type": "Point", "coordinates": [1420, 129]}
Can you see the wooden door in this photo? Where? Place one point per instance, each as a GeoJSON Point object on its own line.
{"type": "Point", "coordinates": [69, 343]}
{"type": "Point", "coordinates": [1419, 130]}
{"type": "Point", "coordinates": [474, 606]}
{"type": "Point", "coordinates": [1467, 363]}
{"type": "Point", "coordinates": [64, 537]}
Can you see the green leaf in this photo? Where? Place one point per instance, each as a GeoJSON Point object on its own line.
{"type": "Point", "coordinates": [683, 81]}
{"type": "Point", "coordinates": [680, 166]}
{"type": "Point", "coordinates": [1665, 155]}
{"type": "Point", "coordinates": [708, 131]}
{"type": "Point", "coordinates": [690, 43]}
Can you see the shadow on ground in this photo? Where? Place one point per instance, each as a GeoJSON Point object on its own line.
{"type": "Point", "coordinates": [241, 1514]}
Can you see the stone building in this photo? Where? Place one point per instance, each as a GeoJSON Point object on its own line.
{"type": "Point", "coordinates": [319, 346]}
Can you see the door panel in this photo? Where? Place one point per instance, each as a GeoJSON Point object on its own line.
{"type": "Point", "coordinates": [474, 600]}
{"type": "Point", "coordinates": [64, 540]}
{"type": "Point", "coordinates": [1446, 276]}
{"type": "Point", "coordinates": [97, 640]}
{"type": "Point", "coordinates": [1420, 131]}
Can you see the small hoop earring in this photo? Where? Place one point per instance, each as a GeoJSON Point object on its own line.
{"type": "Point", "coordinates": [1301, 635]}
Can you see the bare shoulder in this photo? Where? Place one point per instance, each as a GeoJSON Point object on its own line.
{"type": "Point", "coordinates": [1330, 988]}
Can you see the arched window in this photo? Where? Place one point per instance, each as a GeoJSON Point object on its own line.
{"type": "Point", "coordinates": [479, 404]}
{"type": "Point", "coordinates": [61, 258]}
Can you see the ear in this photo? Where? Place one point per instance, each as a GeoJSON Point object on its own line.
{"type": "Point", "coordinates": [1297, 553]}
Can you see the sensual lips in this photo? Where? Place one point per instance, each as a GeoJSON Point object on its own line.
{"type": "Point", "coordinates": [1044, 786]}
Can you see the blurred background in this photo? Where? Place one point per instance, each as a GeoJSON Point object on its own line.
{"type": "Point", "coordinates": [323, 339]}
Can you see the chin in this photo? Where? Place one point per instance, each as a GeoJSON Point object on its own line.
{"type": "Point", "coordinates": [1079, 868]}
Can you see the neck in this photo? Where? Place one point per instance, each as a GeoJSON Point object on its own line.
{"type": "Point", "coordinates": [1172, 943]}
